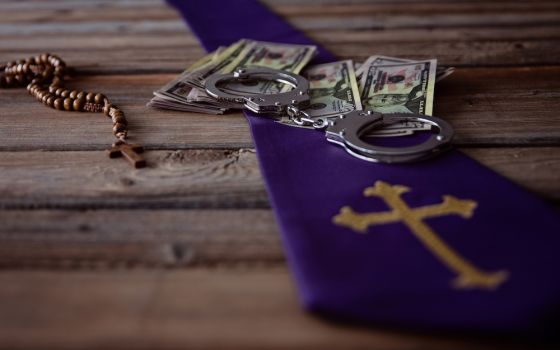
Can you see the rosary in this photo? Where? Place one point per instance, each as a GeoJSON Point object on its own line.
{"type": "Point", "coordinates": [44, 77]}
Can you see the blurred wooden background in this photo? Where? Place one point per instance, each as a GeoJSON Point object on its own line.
{"type": "Point", "coordinates": [186, 253]}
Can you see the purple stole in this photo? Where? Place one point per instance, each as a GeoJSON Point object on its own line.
{"type": "Point", "coordinates": [443, 244]}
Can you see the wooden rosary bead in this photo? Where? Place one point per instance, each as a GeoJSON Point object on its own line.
{"type": "Point", "coordinates": [20, 79]}
{"type": "Point", "coordinates": [100, 98]}
{"type": "Point", "coordinates": [78, 104]}
{"type": "Point", "coordinates": [57, 82]}
{"type": "Point", "coordinates": [50, 101]}
{"type": "Point", "coordinates": [73, 94]}
{"type": "Point", "coordinates": [118, 128]}
{"type": "Point", "coordinates": [119, 116]}
{"type": "Point", "coordinates": [121, 135]}
{"type": "Point", "coordinates": [59, 71]}
{"type": "Point", "coordinates": [52, 89]}
{"type": "Point", "coordinates": [58, 91]}
{"type": "Point", "coordinates": [114, 110]}
{"type": "Point", "coordinates": [81, 94]}
{"type": "Point", "coordinates": [58, 104]}
{"type": "Point", "coordinates": [47, 73]}
{"type": "Point", "coordinates": [65, 93]}
{"type": "Point", "coordinates": [68, 102]}
{"type": "Point", "coordinates": [90, 97]}
{"type": "Point", "coordinates": [45, 97]}
{"type": "Point", "coordinates": [120, 119]}
{"type": "Point", "coordinates": [54, 60]}
{"type": "Point", "coordinates": [107, 109]}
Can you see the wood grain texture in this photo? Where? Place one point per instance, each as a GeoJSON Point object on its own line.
{"type": "Point", "coordinates": [171, 58]}
{"type": "Point", "coordinates": [518, 107]}
{"type": "Point", "coordinates": [183, 179]}
{"type": "Point", "coordinates": [107, 239]}
{"type": "Point", "coordinates": [140, 225]}
{"type": "Point", "coordinates": [196, 309]}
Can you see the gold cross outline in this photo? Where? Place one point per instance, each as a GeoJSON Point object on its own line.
{"type": "Point", "coordinates": [468, 275]}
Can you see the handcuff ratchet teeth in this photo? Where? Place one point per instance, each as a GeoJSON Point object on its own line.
{"type": "Point", "coordinates": [347, 130]}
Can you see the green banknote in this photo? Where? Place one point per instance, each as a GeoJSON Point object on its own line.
{"type": "Point", "coordinates": [179, 89]}
{"type": "Point", "coordinates": [333, 89]}
{"type": "Point", "coordinates": [406, 87]}
{"type": "Point", "coordinates": [177, 93]}
{"type": "Point", "coordinates": [441, 72]}
{"type": "Point", "coordinates": [186, 92]}
{"type": "Point", "coordinates": [286, 57]}
{"type": "Point", "coordinates": [378, 60]}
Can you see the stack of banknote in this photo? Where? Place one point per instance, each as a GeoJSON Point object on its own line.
{"type": "Point", "coordinates": [382, 84]}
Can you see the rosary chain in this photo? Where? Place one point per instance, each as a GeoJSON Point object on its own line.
{"type": "Point", "coordinates": [44, 77]}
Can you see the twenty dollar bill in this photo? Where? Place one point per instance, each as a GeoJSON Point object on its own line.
{"type": "Point", "coordinates": [399, 88]}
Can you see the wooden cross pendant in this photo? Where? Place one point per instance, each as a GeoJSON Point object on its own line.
{"type": "Point", "coordinates": [128, 151]}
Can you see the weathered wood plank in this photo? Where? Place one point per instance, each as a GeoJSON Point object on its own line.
{"type": "Point", "coordinates": [183, 179]}
{"type": "Point", "coordinates": [518, 107]}
{"type": "Point", "coordinates": [180, 40]}
{"type": "Point", "coordinates": [198, 179]}
{"type": "Point", "coordinates": [173, 57]}
{"type": "Point", "coordinates": [138, 238]}
{"type": "Point", "coordinates": [196, 309]}
{"type": "Point", "coordinates": [417, 8]}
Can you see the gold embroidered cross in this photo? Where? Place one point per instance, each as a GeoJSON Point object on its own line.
{"type": "Point", "coordinates": [468, 275]}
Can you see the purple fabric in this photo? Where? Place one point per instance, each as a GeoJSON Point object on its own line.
{"type": "Point", "coordinates": [387, 276]}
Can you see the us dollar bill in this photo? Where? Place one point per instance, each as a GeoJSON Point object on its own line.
{"type": "Point", "coordinates": [176, 95]}
{"type": "Point", "coordinates": [441, 72]}
{"type": "Point", "coordinates": [187, 90]}
{"type": "Point", "coordinates": [406, 87]}
{"type": "Point", "coordinates": [285, 57]}
{"type": "Point", "coordinates": [202, 70]}
{"type": "Point", "coordinates": [333, 89]}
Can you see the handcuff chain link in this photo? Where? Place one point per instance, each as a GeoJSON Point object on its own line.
{"type": "Point", "coordinates": [301, 118]}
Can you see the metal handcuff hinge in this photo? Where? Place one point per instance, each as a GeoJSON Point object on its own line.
{"type": "Point", "coordinates": [346, 130]}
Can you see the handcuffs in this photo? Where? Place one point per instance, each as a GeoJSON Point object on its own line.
{"type": "Point", "coordinates": [346, 130]}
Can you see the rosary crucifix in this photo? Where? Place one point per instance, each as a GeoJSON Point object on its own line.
{"type": "Point", "coordinates": [44, 77]}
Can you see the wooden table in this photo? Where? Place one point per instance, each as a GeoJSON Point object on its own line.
{"type": "Point", "coordinates": [186, 253]}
